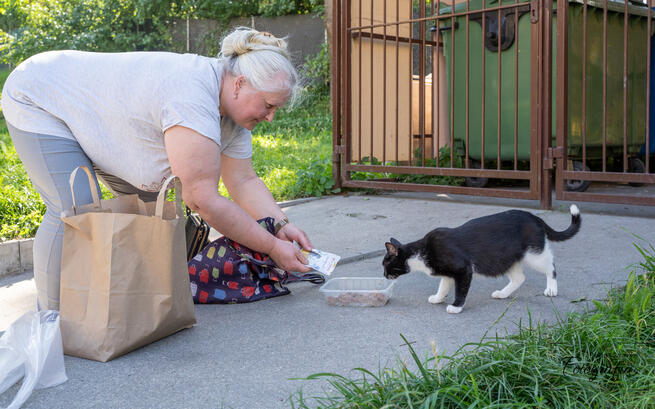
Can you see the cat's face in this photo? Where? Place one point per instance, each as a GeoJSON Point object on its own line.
{"type": "Point", "coordinates": [394, 262]}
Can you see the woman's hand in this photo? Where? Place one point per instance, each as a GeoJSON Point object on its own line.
{"type": "Point", "coordinates": [290, 232]}
{"type": "Point", "coordinates": [288, 257]}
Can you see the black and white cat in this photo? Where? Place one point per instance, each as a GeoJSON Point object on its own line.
{"type": "Point", "coordinates": [493, 245]}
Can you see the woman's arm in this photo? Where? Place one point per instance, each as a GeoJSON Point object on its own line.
{"type": "Point", "coordinates": [248, 190]}
{"type": "Point", "coordinates": [195, 160]}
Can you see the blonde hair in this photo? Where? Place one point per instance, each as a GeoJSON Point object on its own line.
{"type": "Point", "coordinates": [260, 57]}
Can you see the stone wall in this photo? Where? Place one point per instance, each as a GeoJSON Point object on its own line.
{"type": "Point", "coordinates": [305, 34]}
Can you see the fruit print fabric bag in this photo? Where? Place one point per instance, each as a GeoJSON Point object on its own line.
{"type": "Point", "coordinates": [225, 272]}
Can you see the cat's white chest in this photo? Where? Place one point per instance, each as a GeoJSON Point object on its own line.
{"type": "Point", "coordinates": [416, 264]}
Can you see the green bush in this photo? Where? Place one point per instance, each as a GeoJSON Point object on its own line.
{"type": "Point", "coordinates": [21, 208]}
{"type": "Point", "coordinates": [316, 70]}
{"type": "Point", "coordinates": [28, 27]}
{"type": "Point", "coordinates": [315, 178]}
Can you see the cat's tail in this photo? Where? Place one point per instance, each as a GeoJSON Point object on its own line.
{"type": "Point", "coordinates": [576, 220]}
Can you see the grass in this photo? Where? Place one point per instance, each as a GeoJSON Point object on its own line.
{"type": "Point", "coordinates": [603, 358]}
{"type": "Point", "coordinates": [21, 208]}
{"type": "Point", "coordinates": [292, 155]}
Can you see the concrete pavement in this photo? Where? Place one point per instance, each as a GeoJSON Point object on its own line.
{"type": "Point", "coordinates": [246, 356]}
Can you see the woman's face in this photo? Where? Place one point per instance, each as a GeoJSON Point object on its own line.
{"type": "Point", "coordinates": [248, 106]}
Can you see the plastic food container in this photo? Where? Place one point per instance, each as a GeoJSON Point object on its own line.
{"type": "Point", "coordinates": [357, 291]}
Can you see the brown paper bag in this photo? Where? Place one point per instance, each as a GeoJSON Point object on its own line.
{"type": "Point", "coordinates": [124, 281]}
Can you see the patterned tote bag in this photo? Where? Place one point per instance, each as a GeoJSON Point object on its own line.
{"type": "Point", "coordinates": [225, 272]}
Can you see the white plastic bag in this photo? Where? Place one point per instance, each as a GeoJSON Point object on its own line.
{"type": "Point", "coordinates": [31, 349]}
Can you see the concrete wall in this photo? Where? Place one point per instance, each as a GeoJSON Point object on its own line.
{"type": "Point", "coordinates": [305, 34]}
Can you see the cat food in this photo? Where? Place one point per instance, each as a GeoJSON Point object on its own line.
{"type": "Point", "coordinates": [357, 291]}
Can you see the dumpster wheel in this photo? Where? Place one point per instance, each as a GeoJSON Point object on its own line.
{"type": "Point", "coordinates": [578, 185]}
{"type": "Point", "coordinates": [476, 182]}
{"type": "Point", "coordinates": [636, 165]}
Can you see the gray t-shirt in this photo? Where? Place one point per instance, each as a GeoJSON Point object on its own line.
{"type": "Point", "coordinates": [118, 105]}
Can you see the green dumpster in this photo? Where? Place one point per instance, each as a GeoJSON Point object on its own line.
{"type": "Point", "coordinates": [512, 37]}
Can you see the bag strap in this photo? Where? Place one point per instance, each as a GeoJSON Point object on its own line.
{"type": "Point", "coordinates": [161, 197]}
{"type": "Point", "coordinates": [92, 187]}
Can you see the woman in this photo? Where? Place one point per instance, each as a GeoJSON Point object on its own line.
{"type": "Point", "coordinates": [138, 117]}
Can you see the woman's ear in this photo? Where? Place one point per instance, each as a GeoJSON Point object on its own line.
{"type": "Point", "coordinates": [239, 83]}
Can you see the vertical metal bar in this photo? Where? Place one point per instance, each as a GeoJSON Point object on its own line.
{"type": "Point", "coordinates": [372, 85]}
{"type": "Point", "coordinates": [468, 79]}
{"type": "Point", "coordinates": [604, 86]}
{"type": "Point", "coordinates": [625, 87]}
{"type": "Point", "coordinates": [584, 84]}
{"type": "Point", "coordinates": [435, 60]}
{"type": "Point", "coordinates": [421, 80]}
{"type": "Point", "coordinates": [359, 84]}
{"type": "Point", "coordinates": [547, 136]}
{"type": "Point", "coordinates": [397, 95]}
{"type": "Point", "coordinates": [452, 81]}
{"type": "Point", "coordinates": [499, 87]}
{"type": "Point", "coordinates": [482, 121]}
{"type": "Point", "coordinates": [562, 90]}
{"type": "Point", "coordinates": [384, 86]}
{"type": "Point", "coordinates": [536, 75]}
{"type": "Point", "coordinates": [437, 83]}
{"type": "Point", "coordinates": [411, 80]}
{"type": "Point", "coordinates": [346, 64]}
{"type": "Point", "coordinates": [648, 95]}
{"type": "Point", "coordinates": [516, 87]}
{"type": "Point", "coordinates": [335, 92]}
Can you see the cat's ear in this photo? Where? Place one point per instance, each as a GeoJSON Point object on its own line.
{"type": "Point", "coordinates": [392, 250]}
{"type": "Point", "coordinates": [395, 242]}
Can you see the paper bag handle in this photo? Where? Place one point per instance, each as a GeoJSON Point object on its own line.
{"type": "Point", "coordinates": [161, 197]}
{"type": "Point", "coordinates": [92, 187]}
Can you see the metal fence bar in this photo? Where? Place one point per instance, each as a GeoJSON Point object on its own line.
{"type": "Point", "coordinates": [483, 88]}
{"type": "Point", "coordinates": [432, 171]}
{"type": "Point", "coordinates": [457, 190]}
{"type": "Point", "coordinates": [468, 80]}
{"type": "Point", "coordinates": [433, 118]}
{"type": "Point", "coordinates": [421, 82]}
{"type": "Point", "coordinates": [535, 100]}
{"type": "Point", "coordinates": [384, 86]}
{"type": "Point", "coordinates": [372, 132]}
{"type": "Point", "coordinates": [411, 78]}
{"type": "Point", "coordinates": [359, 84]}
{"type": "Point", "coordinates": [584, 85]}
{"type": "Point", "coordinates": [397, 75]}
{"type": "Point", "coordinates": [605, 86]}
{"type": "Point", "coordinates": [625, 86]}
{"type": "Point", "coordinates": [562, 91]}
{"type": "Point", "coordinates": [500, 87]}
{"type": "Point", "coordinates": [648, 94]}
{"type": "Point", "coordinates": [452, 82]}
{"type": "Point", "coordinates": [335, 92]}
{"type": "Point", "coordinates": [418, 20]}
{"type": "Point", "coordinates": [346, 63]}
{"type": "Point", "coordinates": [516, 87]}
{"type": "Point", "coordinates": [546, 111]}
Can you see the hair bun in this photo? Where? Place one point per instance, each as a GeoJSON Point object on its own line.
{"type": "Point", "coordinates": [243, 40]}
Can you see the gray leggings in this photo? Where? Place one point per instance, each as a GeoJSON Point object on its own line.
{"type": "Point", "coordinates": [49, 161]}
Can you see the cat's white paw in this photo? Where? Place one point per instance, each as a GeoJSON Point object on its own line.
{"type": "Point", "coordinates": [454, 310]}
{"type": "Point", "coordinates": [499, 294]}
{"type": "Point", "coordinates": [550, 292]}
{"type": "Point", "coordinates": [434, 299]}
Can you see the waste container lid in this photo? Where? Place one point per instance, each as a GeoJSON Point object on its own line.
{"type": "Point", "coordinates": [634, 6]}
